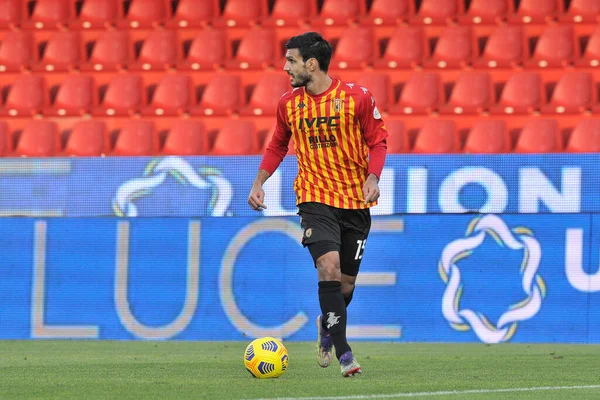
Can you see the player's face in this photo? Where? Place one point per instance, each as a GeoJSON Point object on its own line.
{"type": "Point", "coordinates": [296, 68]}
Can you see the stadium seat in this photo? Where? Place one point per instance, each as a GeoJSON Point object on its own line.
{"type": "Point", "coordinates": [291, 12]}
{"type": "Point", "coordinates": [388, 12]}
{"type": "Point", "coordinates": [236, 137]}
{"type": "Point", "coordinates": [397, 140]}
{"type": "Point", "coordinates": [136, 138]}
{"type": "Point", "coordinates": [380, 87]}
{"type": "Point", "coordinates": [222, 95]}
{"type": "Point", "coordinates": [454, 48]}
{"type": "Point", "coordinates": [437, 137]}
{"type": "Point", "coordinates": [160, 50]}
{"type": "Point", "coordinates": [124, 95]}
{"type": "Point", "coordinates": [536, 11]}
{"type": "Point", "coordinates": [488, 136]}
{"type": "Point", "coordinates": [257, 49]}
{"type": "Point", "coordinates": [10, 13]}
{"type": "Point", "coordinates": [582, 11]}
{"type": "Point", "coordinates": [5, 139]}
{"type": "Point", "coordinates": [39, 138]}
{"type": "Point", "coordinates": [266, 94]}
{"type": "Point", "coordinates": [521, 94]}
{"type": "Point", "coordinates": [555, 47]}
{"type": "Point", "coordinates": [406, 48]}
{"type": "Point", "coordinates": [88, 139]}
{"type": "Point", "coordinates": [472, 93]}
{"type": "Point", "coordinates": [437, 11]}
{"type": "Point", "coordinates": [109, 52]}
{"type": "Point", "coordinates": [354, 49]}
{"type": "Point", "coordinates": [207, 50]}
{"type": "Point", "coordinates": [339, 12]}
{"type": "Point", "coordinates": [486, 11]}
{"type": "Point", "coordinates": [422, 93]}
{"type": "Point", "coordinates": [186, 137]}
{"type": "Point", "coordinates": [591, 52]}
{"type": "Point", "coordinates": [142, 13]}
{"type": "Point", "coordinates": [45, 14]}
{"type": "Point", "coordinates": [505, 47]}
{"type": "Point", "coordinates": [573, 93]}
{"type": "Point", "coordinates": [242, 13]}
{"type": "Point", "coordinates": [194, 13]}
{"type": "Point", "coordinates": [62, 52]}
{"type": "Point", "coordinates": [94, 14]}
{"type": "Point", "coordinates": [585, 137]}
{"type": "Point", "coordinates": [539, 136]}
{"type": "Point", "coordinates": [16, 51]}
{"type": "Point", "coordinates": [173, 95]}
{"type": "Point", "coordinates": [75, 96]}
{"type": "Point", "coordinates": [26, 96]}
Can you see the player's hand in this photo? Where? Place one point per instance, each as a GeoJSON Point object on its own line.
{"type": "Point", "coordinates": [257, 197]}
{"type": "Point", "coordinates": [371, 189]}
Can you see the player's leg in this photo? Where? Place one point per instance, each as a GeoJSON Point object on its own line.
{"type": "Point", "coordinates": [348, 285]}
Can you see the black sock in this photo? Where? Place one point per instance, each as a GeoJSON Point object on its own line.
{"type": "Point", "coordinates": [348, 298]}
{"type": "Point", "coordinates": [333, 309]}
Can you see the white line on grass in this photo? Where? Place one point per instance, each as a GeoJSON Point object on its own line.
{"type": "Point", "coordinates": [440, 393]}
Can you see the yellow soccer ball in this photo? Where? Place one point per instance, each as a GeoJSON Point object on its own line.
{"type": "Point", "coordinates": [266, 357]}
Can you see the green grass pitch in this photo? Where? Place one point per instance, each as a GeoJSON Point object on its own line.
{"type": "Point", "coordinates": [215, 370]}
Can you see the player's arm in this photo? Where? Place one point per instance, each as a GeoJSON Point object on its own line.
{"type": "Point", "coordinates": [276, 151]}
{"type": "Point", "coordinates": [374, 134]}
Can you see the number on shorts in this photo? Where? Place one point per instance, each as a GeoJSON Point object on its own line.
{"type": "Point", "coordinates": [360, 248]}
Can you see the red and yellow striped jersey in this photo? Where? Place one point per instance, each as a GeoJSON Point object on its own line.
{"type": "Point", "coordinates": [332, 134]}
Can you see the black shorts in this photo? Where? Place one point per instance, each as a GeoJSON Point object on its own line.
{"type": "Point", "coordinates": [327, 228]}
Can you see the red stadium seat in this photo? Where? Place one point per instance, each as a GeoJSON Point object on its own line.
{"type": "Point", "coordinates": [5, 139]}
{"type": "Point", "coordinates": [88, 139]}
{"type": "Point", "coordinates": [39, 138]}
{"type": "Point", "coordinates": [555, 47]}
{"type": "Point", "coordinates": [472, 93]}
{"type": "Point", "coordinates": [505, 47]}
{"type": "Point", "coordinates": [573, 93]}
{"type": "Point", "coordinates": [388, 12]}
{"type": "Point", "coordinates": [291, 12]}
{"type": "Point", "coordinates": [46, 14]}
{"type": "Point", "coordinates": [16, 51]}
{"type": "Point", "coordinates": [26, 96]}
{"type": "Point", "coordinates": [380, 87]}
{"type": "Point", "coordinates": [406, 48]}
{"type": "Point", "coordinates": [222, 96]}
{"type": "Point", "coordinates": [522, 94]}
{"type": "Point", "coordinates": [539, 136]}
{"type": "Point", "coordinates": [136, 138]}
{"type": "Point", "coordinates": [591, 53]}
{"type": "Point", "coordinates": [536, 11]}
{"type": "Point", "coordinates": [236, 137]}
{"type": "Point", "coordinates": [10, 13]}
{"type": "Point", "coordinates": [585, 137]}
{"type": "Point", "coordinates": [583, 11]}
{"type": "Point", "coordinates": [207, 50]}
{"type": "Point", "coordinates": [242, 12]}
{"type": "Point", "coordinates": [258, 49]}
{"type": "Point", "coordinates": [173, 95]}
{"type": "Point", "coordinates": [487, 11]}
{"type": "Point", "coordinates": [109, 52]}
{"type": "Point", "coordinates": [76, 95]}
{"type": "Point", "coordinates": [266, 94]}
{"type": "Point", "coordinates": [143, 13]}
{"type": "Point", "coordinates": [94, 14]}
{"type": "Point", "coordinates": [186, 137]}
{"type": "Point", "coordinates": [124, 95]}
{"type": "Point", "coordinates": [437, 137]}
{"type": "Point", "coordinates": [62, 52]}
{"type": "Point", "coordinates": [339, 12]}
{"type": "Point", "coordinates": [355, 49]}
{"type": "Point", "coordinates": [437, 11]}
{"type": "Point", "coordinates": [422, 93]}
{"type": "Point", "coordinates": [488, 136]}
{"type": "Point", "coordinates": [160, 50]}
{"type": "Point", "coordinates": [397, 140]}
{"type": "Point", "coordinates": [194, 13]}
{"type": "Point", "coordinates": [454, 48]}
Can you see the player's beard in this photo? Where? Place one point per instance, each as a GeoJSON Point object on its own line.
{"type": "Point", "coordinates": [301, 79]}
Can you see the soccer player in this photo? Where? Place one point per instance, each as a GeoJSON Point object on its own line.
{"type": "Point", "coordinates": [340, 142]}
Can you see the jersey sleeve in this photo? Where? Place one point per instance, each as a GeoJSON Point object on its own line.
{"type": "Point", "coordinates": [278, 146]}
{"type": "Point", "coordinates": [374, 132]}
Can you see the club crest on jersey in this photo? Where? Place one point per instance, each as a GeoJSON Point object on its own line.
{"type": "Point", "coordinates": [337, 105]}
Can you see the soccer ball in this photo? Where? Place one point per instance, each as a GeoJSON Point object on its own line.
{"type": "Point", "coordinates": [266, 357]}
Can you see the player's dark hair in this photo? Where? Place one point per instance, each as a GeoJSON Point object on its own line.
{"type": "Point", "coordinates": [312, 45]}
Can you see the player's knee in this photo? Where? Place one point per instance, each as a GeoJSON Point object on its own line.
{"type": "Point", "coordinates": [328, 266]}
